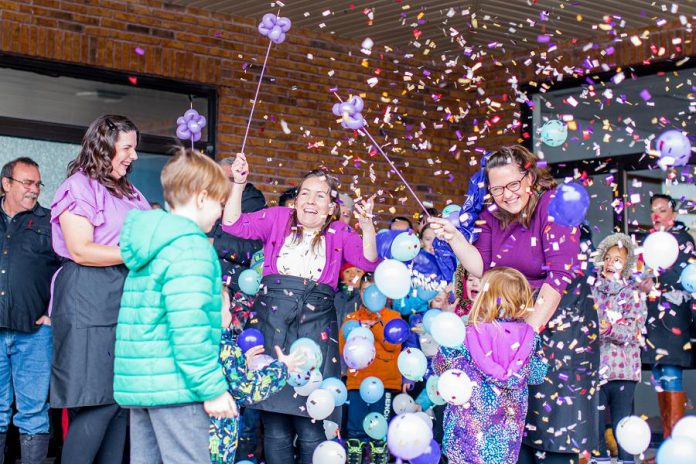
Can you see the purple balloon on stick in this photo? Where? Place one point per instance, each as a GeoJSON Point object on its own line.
{"type": "Point", "coordinates": [190, 125]}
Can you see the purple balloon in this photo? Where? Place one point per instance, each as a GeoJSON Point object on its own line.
{"type": "Point", "coordinates": [674, 147]}
{"type": "Point", "coordinates": [183, 132]}
{"type": "Point", "coordinates": [190, 125]}
{"type": "Point", "coordinates": [250, 338]}
{"type": "Point", "coordinates": [569, 205]}
{"type": "Point", "coordinates": [396, 331]}
{"type": "Point", "coordinates": [190, 114]}
{"type": "Point", "coordinates": [274, 27]}
{"type": "Point", "coordinates": [350, 113]}
{"type": "Point", "coordinates": [431, 456]}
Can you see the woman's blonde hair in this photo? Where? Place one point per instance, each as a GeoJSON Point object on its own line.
{"type": "Point", "coordinates": [527, 163]}
{"type": "Point", "coordinates": [190, 172]}
{"type": "Point", "coordinates": [505, 294]}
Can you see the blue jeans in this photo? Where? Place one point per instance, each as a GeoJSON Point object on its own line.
{"type": "Point", "coordinates": [668, 377]}
{"type": "Point", "coordinates": [25, 373]}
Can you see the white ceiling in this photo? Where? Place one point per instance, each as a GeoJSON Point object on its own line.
{"type": "Point", "coordinates": [449, 25]}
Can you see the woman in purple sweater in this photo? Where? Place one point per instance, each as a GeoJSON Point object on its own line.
{"type": "Point", "coordinates": [516, 232]}
{"type": "Point", "coordinates": [304, 248]}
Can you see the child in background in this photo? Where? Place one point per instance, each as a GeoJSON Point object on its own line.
{"type": "Point", "coordinates": [622, 314]}
{"type": "Point", "coordinates": [501, 355]}
{"type": "Point", "coordinates": [168, 334]}
{"type": "Point", "coordinates": [466, 287]}
{"type": "Point", "coordinates": [246, 386]}
{"type": "Point", "coordinates": [347, 299]}
{"type": "Point", "coordinates": [384, 368]}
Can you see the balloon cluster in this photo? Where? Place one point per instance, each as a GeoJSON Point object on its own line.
{"type": "Point", "coordinates": [274, 27]}
{"type": "Point", "coordinates": [350, 113]}
{"type": "Point", "coordinates": [569, 205]}
{"type": "Point", "coordinates": [190, 126]}
{"type": "Point", "coordinates": [554, 133]}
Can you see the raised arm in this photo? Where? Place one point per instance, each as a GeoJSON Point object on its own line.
{"type": "Point", "coordinates": [233, 207]}
{"type": "Point", "coordinates": [468, 254]}
{"type": "Point", "coordinates": [369, 238]}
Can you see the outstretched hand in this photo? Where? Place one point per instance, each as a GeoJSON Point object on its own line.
{"type": "Point", "coordinates": [364, 210]}
{"type": "Point", "coordinates": [292, 360]}
{"type": "Point", "coordinates": [240, 169]}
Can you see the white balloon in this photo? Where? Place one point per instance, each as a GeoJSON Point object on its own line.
{"type": "Point", "coordinates": [368, 43]}
{"type": "Point", "coordinates": [320, 404]}
{"type": "Point", "coordinates": [660, 250]}
{"type": "Point", "coordinates": [455, 387]}
{"type": "Point", "coordinates": [259, 362]}
{"type": "Point", "coordinates": [361, 332]}
{"type": "Point", "coordinates": [426, 418]}
{"type": "Point", "coordinates": [329, 452]}
{"type": "Point", "coordinates": [393, 279]}
{"type": "Point", "coordinates": [428, 345]}
{"type": "Point", "coordinates": [448, 330]}
{"type": "Point", "coordinates": [408, 436]}
{"type": "Point", "coordinates": [633, 434]}
{"type": "Point", "coordinates": [403, 403]}
{"type": "Point", "coordinates": [330, 429]}
{"type": "Point", "coordinates": [359, 353]}
{"type": "Point", "coordinates": [315, 379]}
{"type": "Point", "coordinates": [686, 427]}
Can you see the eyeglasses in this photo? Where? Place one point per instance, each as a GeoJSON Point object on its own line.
{"type": "Point", "coordinates": [28, 183]}
{"type": "Point", "coordinates": [513, 186]}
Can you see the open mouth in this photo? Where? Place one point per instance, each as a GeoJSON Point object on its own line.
{"type": "Point", "coordinates": [473, 293]}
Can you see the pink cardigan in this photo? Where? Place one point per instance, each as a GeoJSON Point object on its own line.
{"type": "Point", "coordinates": [271, 225]}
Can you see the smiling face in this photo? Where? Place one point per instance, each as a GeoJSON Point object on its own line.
{"type": "Point", "coordinates": [473, 287]}
{"type": "Point", "coordinates": [515, 185]}
{"type": "Point", "coordinates": [662, 215]}
{"type": "Point", "coordinates": [614, 261]}
{"type": "Point", "coordinates": [314, 203]}
{"type": "Point", "coordinates": [19, 197]}
{"type": "Point", "coordinates": [125, 154]}
{"type": "Point", "coordinates": [427, 240]}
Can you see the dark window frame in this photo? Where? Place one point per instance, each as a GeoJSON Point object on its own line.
{"type": "Point", "coordinates": [65, 133]}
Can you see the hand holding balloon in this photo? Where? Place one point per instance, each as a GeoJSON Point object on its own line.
{"type": "Point", "coordinates": [240, 169]}
{"type": "Point", "coordinates": [252, 353]}
{"type": "Point", "coordinates": [292, 361]}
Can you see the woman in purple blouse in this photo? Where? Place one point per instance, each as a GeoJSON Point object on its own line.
{"type": "Point", "coordinates": [516, 232]}
{"type": "Point", "coordinates": [87, 215]}
{"type": "Point", "coordinates": [304, 248]}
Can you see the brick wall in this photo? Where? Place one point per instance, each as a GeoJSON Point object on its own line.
{"type": "Point", "coordinates": [200, 46]}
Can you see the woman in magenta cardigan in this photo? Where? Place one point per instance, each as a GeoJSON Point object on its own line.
{"type": "Point", "coordinates": [304, 248]}
{"type": "Point", "coordinates": [516, 232]}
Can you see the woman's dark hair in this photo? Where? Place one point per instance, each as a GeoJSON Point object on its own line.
{"type": "Point", "coordinates": [426, 226]}
{"type": "Point", "coordinates": [661, 196]}
{"type": "Point", "coordinates": [99, 148]}
{"type": "Point", "coordinates": [287, 196]}
{"type": "Point", "coordinates": [294, 226]}
{"type": "Point", "coordinates": [526, 162]}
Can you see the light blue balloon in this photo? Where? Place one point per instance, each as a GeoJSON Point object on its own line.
{"type": "Point", "coordinates": [428, 318]}
{"type": "Point", "coordinates": [431, 390]}
{"type": "Point", "coordinates": [349, 326]}
{"type": "Point", "coordinates": [375, 426]}
{"type": "Point", "coordinates": [371, 390]}
{"type": "Point", "coordinates": [425, 294]}
{"type": "Point", "coordinates": [393, 279]}
{"type": "Point", "coordinates": [688, 278]}
{"type": "Point", "coordinates": [412, 364]}
{"type": "Point", "coordinates": [337, 388]}
{"type": "Point", "coordinates": [249, 281]}
{"type": "Point", "coordinates": [361, 332]}
{"type": "Point", "coordinates": [246, 461]}
{"type": "Point", "coordinates": [373, 299]}
{"type": "Point", "coordinates": [449, 209]}
{"type": "Point", "coordinates": [313, 359]}
{"type": "Point", "coordinates": [677, 450]}
{"type": "Point", "coordinates": [554, 133]}
{"type": "Point", "coordinates": [405, 246]}
{"type": "Point", "coordinates": [298, 379]}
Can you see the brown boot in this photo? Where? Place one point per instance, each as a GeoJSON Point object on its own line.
{"type": "Point", "coordinates": [674, 407]}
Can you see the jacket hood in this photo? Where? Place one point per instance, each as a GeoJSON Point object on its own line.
{"type": "Point", "coordinates": [145, 233]}
{"type": "Point", "coordinates": [614, 240]}
{"type": "Point", "coordinates": [500, 349]}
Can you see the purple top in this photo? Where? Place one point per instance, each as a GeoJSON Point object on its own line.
{"type": "Point", "coordinates": [86, 197]}
{"type": "Point", "coordinates": [545, 253]}
{"type": "Point", "coordinates": [271, 226]}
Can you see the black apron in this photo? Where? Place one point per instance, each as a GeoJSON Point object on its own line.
{"type": "Point", "coordinates": [562, 416]}
{"type": "Point", "coordinates": [86, 302]}
{"type": "Point", "coordinates": [288, 308]}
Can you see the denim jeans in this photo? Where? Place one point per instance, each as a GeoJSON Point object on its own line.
{"type": "Point", "coordinates": [25, 374]}
{"type": "Point", "coordinates": [279, 433]}
{"type": "Point", "coordinates": [668, 377]}
{"type": "Point", "coordinates": [615, 398]}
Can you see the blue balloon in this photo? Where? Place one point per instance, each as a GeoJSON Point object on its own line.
{"type": "Point", "coordinates": [373, 299]}
{"type": "Point", "coordinates": [375, 426]}
{"type": "Point", "coordinates": [412, 364]}
{"type": "Point", "coordinates": [246, 461]}
{"type": "Point", "coordinates": [677, 450]}
{"type": "Point", "coordinates": [426, 294]}
{"type": "Point", "coordinates": [554, 133]}
{"type": "Point", "coordinates": [688, 278]}
{"type": "Point", "coordinates": [405, 246]}
{"type": "Point", "coordinates": [569, 205]}
{"type": "Point", "coordinates": [249, 281]}
{"type": "Point", "coordinates": [371, 390]}
{"type": "Point", "coordinates": [337, 388]}
{"type": "Point", "coordinates": [428, 318]}
{"type": "Point", "coordinates": [348, 326]}
{"type": "Point", "coordinates": [298, 379]}
{"type": "Point", "coordinates": [431, 456]}
{"type": "Point", "coordinates": [396, 331]}
{"type": "Point", "coordinates": [250, 338]}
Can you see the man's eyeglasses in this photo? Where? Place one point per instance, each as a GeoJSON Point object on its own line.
{"type": "Point", "coordinates": [513, 186]}
{"type": "Point", "coordinates": [28, 183]}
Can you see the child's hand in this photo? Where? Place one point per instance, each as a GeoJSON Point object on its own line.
{"type": "Point", "coordinates": [292, 361]}
{"type": "Point", "coordinates": [221, 407]}
{"type": "Point", "coordinates": [240, 169]}
{"type": "Point", "coordinates": [252, 353]}
{"type": "Point", "coordinates": [368, 323]}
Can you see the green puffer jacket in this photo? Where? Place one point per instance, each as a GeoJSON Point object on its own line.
{"type": "Point", "coordinates": [168, 333]}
